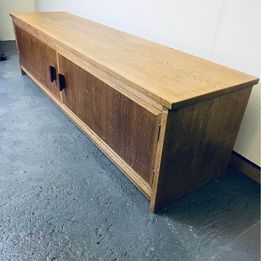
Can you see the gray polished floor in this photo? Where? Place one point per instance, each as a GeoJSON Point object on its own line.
{"type": "Point", "coordinates": [62, 199]}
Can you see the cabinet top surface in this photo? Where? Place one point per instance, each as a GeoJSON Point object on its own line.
{"type": "Point", "coordinates": [169, 76]}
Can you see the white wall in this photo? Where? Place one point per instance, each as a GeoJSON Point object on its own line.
{"type": "Point", "coordinates": [224, 31]}
{"type": "Point", "coordinates": [8, 6]}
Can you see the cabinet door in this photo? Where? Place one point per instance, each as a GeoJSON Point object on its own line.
{"type": "Point", "coordinates": [36, 57]}
{"type": "Point", "coordinates": [128, 128]}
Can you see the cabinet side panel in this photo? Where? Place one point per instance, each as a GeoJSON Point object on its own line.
{"type": "Point", "coordinates": [198, 143]}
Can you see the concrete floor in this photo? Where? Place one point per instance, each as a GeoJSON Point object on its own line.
{"type": "Point", "coordinates": [62, 199]}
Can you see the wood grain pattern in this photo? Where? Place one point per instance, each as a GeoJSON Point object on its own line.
{"type": "Point", "coordinates": [36, 57]}
{"type": "Point", "coordinates": [115, 81]}
{"type": "Point", "coordinates": [129, 129]}
{"type": "Point", "coordinates": [134, 177]}
{"type": "Point", "coordinates": [170, 77]}
{"type": "Point", "coordinates": [245, 166]}
{"type": "Point", "coordinates": [197, 146]}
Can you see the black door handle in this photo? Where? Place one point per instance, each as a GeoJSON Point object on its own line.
{"type": "Point", "coordinates": [62, 81]}
{"type": "Point", "coordinates": [52, 73]}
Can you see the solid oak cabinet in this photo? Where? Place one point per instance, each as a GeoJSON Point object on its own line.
{"type": "Point", "coordinates": [167, 119]}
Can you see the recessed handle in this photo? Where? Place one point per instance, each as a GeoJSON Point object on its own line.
{"type": "Point", "coordinates": [62, 82]}
{"type": "Point", "coordinates": [52, 73]}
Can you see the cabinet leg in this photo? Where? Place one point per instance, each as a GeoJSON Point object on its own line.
{"type": "Point", "coordinates": [22, 71]}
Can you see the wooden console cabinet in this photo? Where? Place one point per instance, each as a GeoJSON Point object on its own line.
{"type": "Point", "coordinates": [167, 119]}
